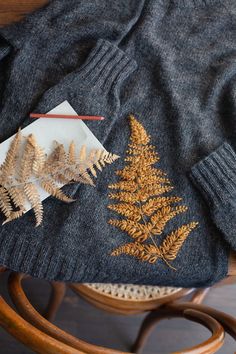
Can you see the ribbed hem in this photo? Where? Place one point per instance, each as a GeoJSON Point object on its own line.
{"type": "Point", "coordinates": [40, 261]}
{"type": "Point", "coordinates": [106, 65]}
{"type": "Point", "coordinates": [215, 175]}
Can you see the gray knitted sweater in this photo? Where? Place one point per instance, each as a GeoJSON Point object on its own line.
{"type": "Point", "coordinates": [172, 63]}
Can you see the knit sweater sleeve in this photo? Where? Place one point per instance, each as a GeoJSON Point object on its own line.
{"type": "Point", "coordinates": [215, 178]}
{"type": "Point", "coordinates": [72, 51]}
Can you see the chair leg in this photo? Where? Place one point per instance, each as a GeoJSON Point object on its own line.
{"type": "Point", "coordinates": [145, 330]}
{"type": "Point", "coordinates": [199, 295]}
{"type": "Point", "coordinates": [152, 318]}
{"type": "Point", "coordinates": [55, 300]}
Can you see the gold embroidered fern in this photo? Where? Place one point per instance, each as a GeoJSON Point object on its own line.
{"type": "Point", "coordinates": [26, 167]}
{"type": "Point", "coordinates": [140, 202]}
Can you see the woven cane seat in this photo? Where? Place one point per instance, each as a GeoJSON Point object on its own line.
{"type": "Point", "coordinates": [133, 292]}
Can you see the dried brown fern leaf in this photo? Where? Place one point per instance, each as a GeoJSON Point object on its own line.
{"type": "Point", "coordinates": [162, 216]}
{"type": "Point", "coordinates": [51, 188]}
{"type": "Point", "coordinates": [72, 154]}
{"type": "Point", "coordinates": [17, 196]}
{"type": "Point", "coordinates": [32, 194]}
{"type": "Point", "coordinates": [97, 158]}
{"type": "Point", "coordinates": [144, 252]}
{"type": "Point", "coordinates": [136, 230]}
{"type": "Point", "coordinates": [26, 163]}
{"type": "Point", "coordinates": [8, 166]}
{"type": "Point", "coordinates": [154, 204]}
{"type": "Point", "coordinates": [21, 173]}
{"type": "Point", "coordinates": [102, 158]}
{"type": "Point", "coordinates": [60, 178]}
{"type": "Point", "coordinates": [14, 215]}
{"type": "Point", "coordinates": [174, 241]}
{"type": "Point", "coordinates": [55, 159]}
{"type": "Point", "coordinates": [83, 154]}
{"type": "Point", "coordinates": [132, 212]}
{"type": "Point", "coordinates": [39, 158]}
{"type": "Point", "coordinates": [5, 202]}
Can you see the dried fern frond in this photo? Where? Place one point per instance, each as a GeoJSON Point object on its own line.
{"type": "Point", "coordinates": [5, 202]}
{"type": "Point", "coordinates": [17, 196]}
{"type": "Point", "coordinates": [14, 215]}
{"type": "Point", "coordinates": [8, 166]}
{"type": "Point", "coordinates": [72, 154]}
{"type": "Point", "coordinates": [33, 196]}
{"type": "Point", "coordinates": [27, 160]}
{"type": "Point", "coordinates": [52, 189]}
{"type": "Point", "coordinates": [138, 198]}
{"type": "Point", "coordinates": [22, 173]}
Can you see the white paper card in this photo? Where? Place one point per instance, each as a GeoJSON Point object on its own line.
{"type": "Point", "coordinates": [46, 131]}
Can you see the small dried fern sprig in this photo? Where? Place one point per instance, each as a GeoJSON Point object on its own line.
{"type": "Point", "coordinates": [26, 167]}
{"type": "Point", "coordinates": [140, 202]}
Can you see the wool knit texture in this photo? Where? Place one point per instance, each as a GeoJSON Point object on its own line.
{"type": "Point", "coordinates": [170, 63]}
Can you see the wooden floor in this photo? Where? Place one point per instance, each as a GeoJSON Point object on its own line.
{"type": "Point", "coordinates": [93, 325]}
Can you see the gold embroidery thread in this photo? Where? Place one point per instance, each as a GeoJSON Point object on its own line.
{"type": "Point", "coordinates": [23, 171]}
{"type": "Point", "coordinates": [140, 201]}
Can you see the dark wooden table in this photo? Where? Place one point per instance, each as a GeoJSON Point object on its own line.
{"type": "Point", "coordinates": [14, 10]}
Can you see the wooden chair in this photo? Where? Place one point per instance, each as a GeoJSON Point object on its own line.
{"type": "Point", "coordinates": [40, 335]}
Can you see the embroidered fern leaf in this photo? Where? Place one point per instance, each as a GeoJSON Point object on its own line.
{"type": "Point", "coordinates": [162, 216]}
{"type": "Point", "coordinates": [172, 244]}
{"type": "Point", "coordinates": [139, 199]}
{"type": "Point", "coordinates": [132, 212]}
{"type": "Point", "coordinates": [26, 167]}
{"type": "Point", "coordinates": [144, 252]}
{"type": "Point", "coordinates": [136, 230]}
{"type": "Point", "coordinates": [129, 186]}
{"type": "Point", "coordinates": [154, 204]}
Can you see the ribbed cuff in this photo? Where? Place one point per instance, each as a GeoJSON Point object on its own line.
{"type": "Point", "coordinates": [215, 175]}
{"type": "Point", "coordinates": [105, 65]}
